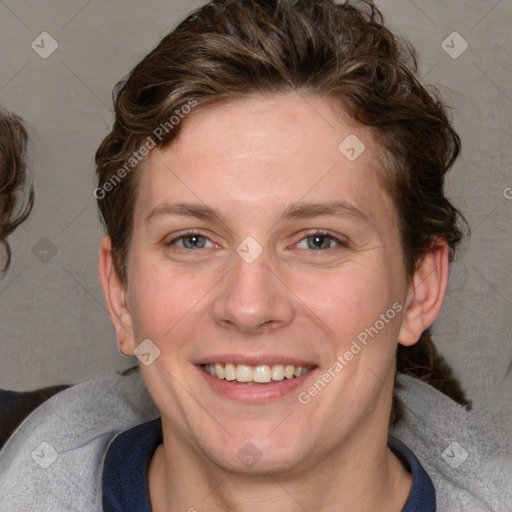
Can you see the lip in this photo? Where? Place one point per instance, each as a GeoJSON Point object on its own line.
{"type": "Point", "coordinates": [254, 360]}
{"type": "Point", "coordinates": [258, 393]}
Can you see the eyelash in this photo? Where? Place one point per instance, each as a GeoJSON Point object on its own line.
{"type": "Point", "coordinates": [318, 233]}
{"type": "Point", "coordinates": [188, 234]}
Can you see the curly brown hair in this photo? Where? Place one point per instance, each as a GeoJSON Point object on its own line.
{"type": "Point", "coordinates": [233, 48]}
{"type": "Point", "coordinates": [13, 180]}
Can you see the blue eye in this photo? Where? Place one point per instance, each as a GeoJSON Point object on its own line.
{"type": "Point", "coordinates": [317, 241]}
{"type": "Point", "coordinates": [320, 241]}
{"type": "Point", "coordinates": [190, 241]}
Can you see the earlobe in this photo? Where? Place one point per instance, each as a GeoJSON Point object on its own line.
{"type": "Point", "coordinates": [115, 295]}
{"type": "Point", "coordinates": [426, 293]}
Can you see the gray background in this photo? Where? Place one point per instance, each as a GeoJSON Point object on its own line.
{"type": "Point", "coordinates": [53, 322]}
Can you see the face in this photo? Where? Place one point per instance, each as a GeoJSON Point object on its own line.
{"type": "Point", "coordinates": [258, 243]}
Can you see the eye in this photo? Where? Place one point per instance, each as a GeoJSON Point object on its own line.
{"type": "Point", "coordinates": [320, 241]}
{"type": "Point", "coordinates": [191, 241]}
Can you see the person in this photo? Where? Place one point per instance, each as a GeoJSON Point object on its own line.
{"type": "Point", "coordinates": [277, 248]}
{"type": "Point", "coordinates": [13, 181]}
{"type": "Point", "coordinates": [16, 202]}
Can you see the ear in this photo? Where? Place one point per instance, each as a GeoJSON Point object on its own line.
{"type": "Point", "coordinates": [115, 295]}
{"type": "Point", "coordinates": [426, 293]}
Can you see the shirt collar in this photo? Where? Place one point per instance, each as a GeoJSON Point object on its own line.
{"type": "Point", "coordinates": [125, 471]}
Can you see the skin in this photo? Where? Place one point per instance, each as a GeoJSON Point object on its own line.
{"type": "Point", "coordinates": [250, 159]}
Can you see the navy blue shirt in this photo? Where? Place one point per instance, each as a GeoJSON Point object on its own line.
{"type": "Point", "coordinates": [125, 472]}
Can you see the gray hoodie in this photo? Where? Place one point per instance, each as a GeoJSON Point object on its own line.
{"type": "Point", "coordinates": [54, 460]}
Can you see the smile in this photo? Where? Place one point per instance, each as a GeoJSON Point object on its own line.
{"type": "Point", "coordinates": [259, 374]}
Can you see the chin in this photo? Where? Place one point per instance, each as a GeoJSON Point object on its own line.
{"type": "Point", "coordinates": [257, 453]}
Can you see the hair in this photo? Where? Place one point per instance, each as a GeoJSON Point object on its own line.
{"type": "Point", "coordinates": [234, 48]}
{"type": "Point", "coordinates": [13, 181]}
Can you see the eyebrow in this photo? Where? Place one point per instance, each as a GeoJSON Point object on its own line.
{"type": "Point", "coordinates": [333, 209]}
{"type": "Point", "coordinates": [199, 211]}
{"type": "Point", "coordinates": [294, 211]}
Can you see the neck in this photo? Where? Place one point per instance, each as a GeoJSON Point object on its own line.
{"type": "Point", "coordinates": [363, 476]}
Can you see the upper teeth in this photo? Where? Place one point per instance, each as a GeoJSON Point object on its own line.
{"type": "Point", "coordinates": [260, 373]}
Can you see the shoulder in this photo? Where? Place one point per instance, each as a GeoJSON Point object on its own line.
{"type": "Point", "coordinates": [464, 453]}
{"type": "Point", "coordinates": [54, 459]}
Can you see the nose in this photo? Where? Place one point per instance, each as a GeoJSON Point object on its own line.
{"type": "Point", "coordinates": [253, 298]}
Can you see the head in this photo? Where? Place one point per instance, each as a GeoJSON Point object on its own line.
{"type": "Point", "coordinates": [13, 142]}
{"type": "Point", "coordinates": [241, 111]}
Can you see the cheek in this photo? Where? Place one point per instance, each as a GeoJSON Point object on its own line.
{"type": "Point", "coordinates": [350, 299]}
{"type": "Point", "coordinates": [162, 298]}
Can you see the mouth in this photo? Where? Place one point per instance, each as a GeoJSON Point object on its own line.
{"type": "Point", "coordinates": [257, 382]}
{"type": "Point", "coordinates": [259, 374]}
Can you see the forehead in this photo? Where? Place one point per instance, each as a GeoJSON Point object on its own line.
{"type": "Point", "coordinates": [266, 151]}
